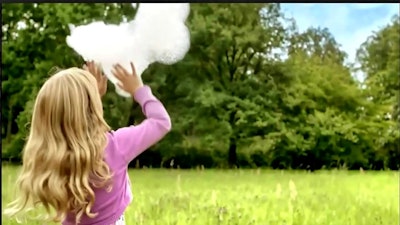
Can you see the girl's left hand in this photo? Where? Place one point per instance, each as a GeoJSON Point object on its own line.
{"type": "Point", "coordinates": [96, 71]}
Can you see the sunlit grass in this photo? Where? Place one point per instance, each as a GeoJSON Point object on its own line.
{"type": "Point", "coordinates": [233, 197]}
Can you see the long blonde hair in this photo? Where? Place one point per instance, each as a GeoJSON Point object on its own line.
{"type": "Point", "coordinates": [63, 158]}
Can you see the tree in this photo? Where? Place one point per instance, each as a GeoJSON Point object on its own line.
{"type": "Point", "coordinates": [324, 120]}
{"type": "Point", "coordinates": [233, 100]}
{"type": "Point", "coordinates": [227, 63]}
{"type": "Point", "coordinates": [323, 108]}
{"type": "Point", "coordinates": [33, 45]}
{"type": "Point", "coordinates": [379, 59]}
{"type": "Point", "coordinates": [316, 42]}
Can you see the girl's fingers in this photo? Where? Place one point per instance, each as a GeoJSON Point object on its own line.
{"type": "Point", "coordinates": [116, 71]}
{"type": "Point", "coordinates": [104, 79]}
{"type": "Point", "coordinates": [90, 65]}
{"type": "Point", "coordinates": [97, 71]}
{"type": "Point", "coordinates": [121, 86]}
{"type": "Point", "coordinates": [117, 74]}
{"type": "Point", "coordinates": [93, 71]}
{"type": "Point", "coordinates": [94, 67]}
{"type": "Point", "coordinates": [133, 69]}
{"type": "Point", "coordinates": [122, 69]}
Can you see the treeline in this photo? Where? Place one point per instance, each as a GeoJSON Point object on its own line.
{"type": "Point", "coordinates": [233, 100]}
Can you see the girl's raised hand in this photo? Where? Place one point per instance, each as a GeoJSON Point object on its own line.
{"type": "Point", "coordinates": [128, 82]}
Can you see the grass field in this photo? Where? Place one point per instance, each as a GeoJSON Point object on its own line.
{"type": "Point", "coordinates": [260, 197]}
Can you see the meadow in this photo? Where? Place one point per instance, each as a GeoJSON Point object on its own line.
{"type": "Point", "coordinates": [259, 197]}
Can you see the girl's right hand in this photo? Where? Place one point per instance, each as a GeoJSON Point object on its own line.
{"type": "Point", "coordinates": [129, 82]}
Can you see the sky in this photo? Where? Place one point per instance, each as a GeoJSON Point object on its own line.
{"type": "Point", "coordinates": [350, 23]}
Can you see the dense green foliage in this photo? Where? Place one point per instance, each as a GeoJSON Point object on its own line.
{"type": "Point", "coordinates": [251, 197]}
{"type": "Point", "coordinates": [233, 102]}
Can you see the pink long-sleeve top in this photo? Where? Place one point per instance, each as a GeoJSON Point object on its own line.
{"type": "Point", "coordinates": [124, 145]}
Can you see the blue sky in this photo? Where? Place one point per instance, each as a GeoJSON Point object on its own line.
{"type": "Point", "coordinates": [350, 23]}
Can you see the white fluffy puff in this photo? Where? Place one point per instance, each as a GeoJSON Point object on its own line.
{"type": "Point", "coordinates": [157, 34]}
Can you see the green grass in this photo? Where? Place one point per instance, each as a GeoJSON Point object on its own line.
{"type": "Point", "coordinates": [262, 197]}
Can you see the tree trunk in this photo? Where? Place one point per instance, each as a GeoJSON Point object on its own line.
{"type": "Point", "coordinates": [232, 153]}
{"type": "Point", "coordinates": [9, 124]}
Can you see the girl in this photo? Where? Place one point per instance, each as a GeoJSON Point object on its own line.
{"type": "Point", "coordinates": [72, 162]}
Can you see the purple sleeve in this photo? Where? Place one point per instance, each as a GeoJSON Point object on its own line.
{"type": "Point", "coordinates": [132, 141]}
